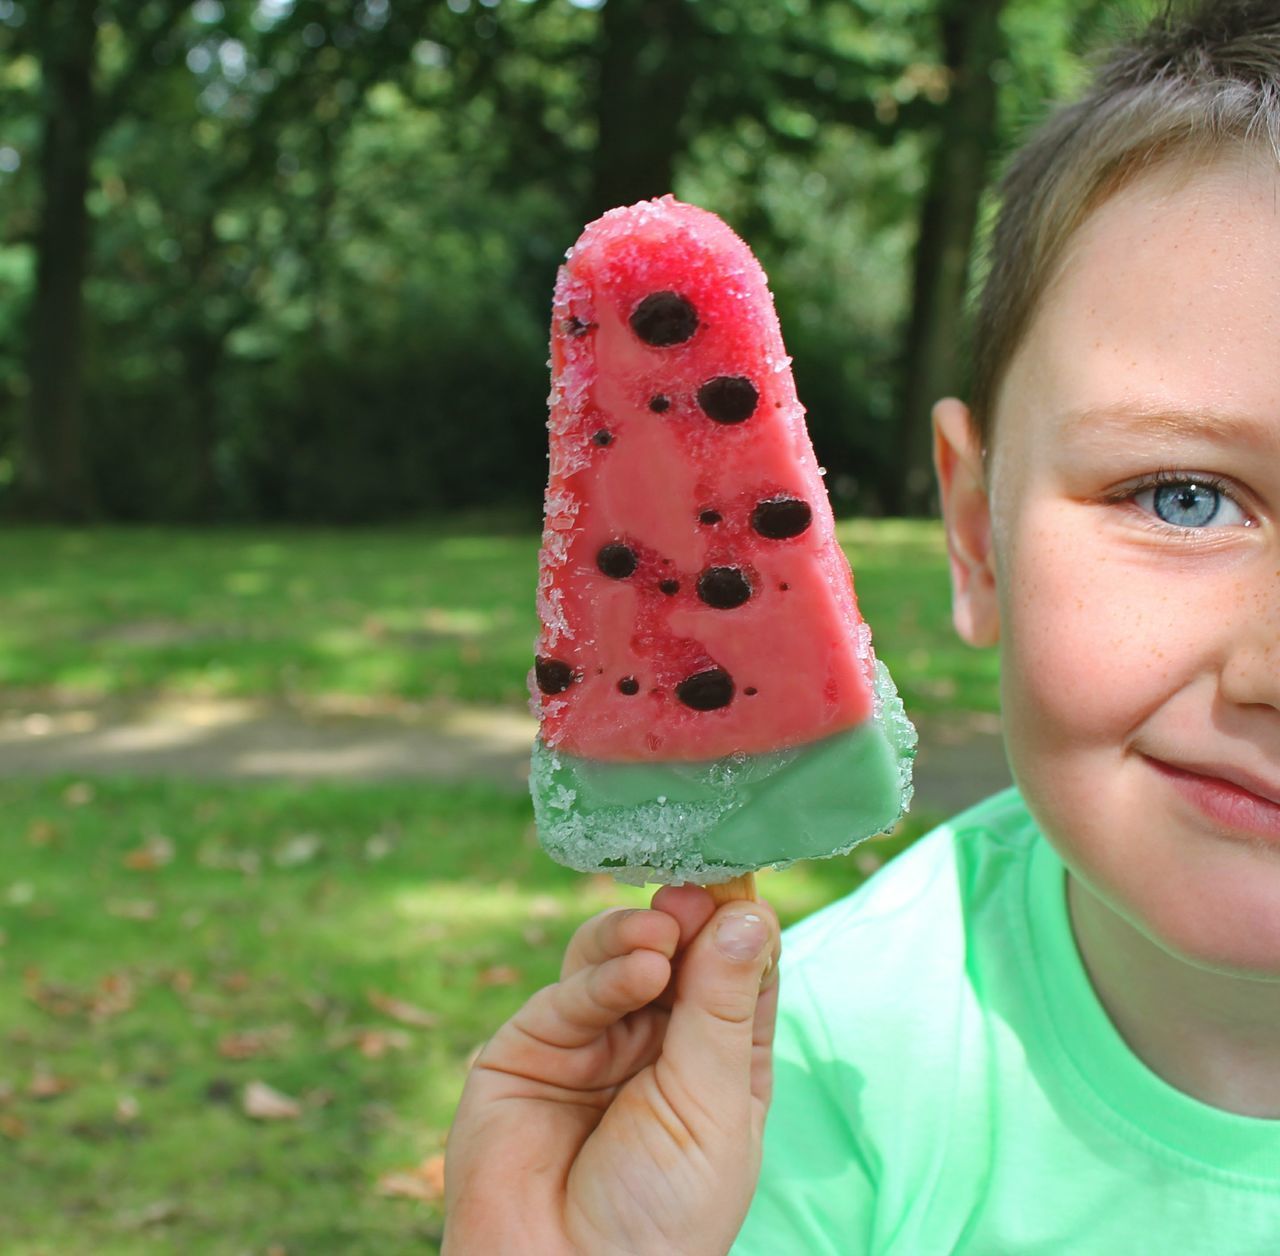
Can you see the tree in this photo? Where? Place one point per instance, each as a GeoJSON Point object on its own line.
{"type": "Point", "coordinates": [75, 110]}
{"type": "Point", "coordinates": [965, 138]}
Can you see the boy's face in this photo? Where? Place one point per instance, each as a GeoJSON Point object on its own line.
{"type": "Point", "coordinates": [1128, 559]}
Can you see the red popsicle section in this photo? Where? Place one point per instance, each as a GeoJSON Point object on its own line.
{"type": "Point", "coordinates": [693, 599]}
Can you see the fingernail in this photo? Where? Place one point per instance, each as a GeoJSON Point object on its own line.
{"type": "Point", "coordinates": [742, 935]}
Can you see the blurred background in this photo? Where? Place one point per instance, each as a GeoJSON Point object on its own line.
{"type": "Point", "coordinates": [291, 259]}
{"type": "Point", "coordinates": [274, 286]}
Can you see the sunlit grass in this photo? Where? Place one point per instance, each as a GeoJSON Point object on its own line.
{"type": "Point", "coordinates": [414, 613]}
{"type": "Point", "coordinates": [143, 925]}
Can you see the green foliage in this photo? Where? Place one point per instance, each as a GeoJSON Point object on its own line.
{"type": "Point", "coordinates": [325, 231]}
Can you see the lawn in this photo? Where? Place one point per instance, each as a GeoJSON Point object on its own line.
{"type": "Point", "coordinates": [166, 945]}
{"type": "Point", "coordinates": [235, 1018]}
{"type": "Point", "coordinates": [411, 613]}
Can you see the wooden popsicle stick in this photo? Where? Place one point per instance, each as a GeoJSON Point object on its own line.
{"type": "Point", "coordinates": [736, 890]}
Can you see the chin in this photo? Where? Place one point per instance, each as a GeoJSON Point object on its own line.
{"type": "Point", "coordinates": [1228, 922]}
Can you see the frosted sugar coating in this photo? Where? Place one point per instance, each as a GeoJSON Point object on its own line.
{"type": "Point", "coordinates": [711, 821]}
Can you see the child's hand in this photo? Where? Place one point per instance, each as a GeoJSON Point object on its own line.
{"type": "Point", "coordinates": [621, 1110]}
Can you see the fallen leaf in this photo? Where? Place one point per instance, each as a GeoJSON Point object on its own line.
{"type": "Point", "coordinates": [46, 1085]}
{"type": "Point", "coordinates": [42, 832]}
{"type": "Point", "coordinates": [424, 1182]}
{"type": "Point", "coordinates": [399, 1010]}
{"type": "Point", "coordinates": [133, 908]}
{"type": "Point", "coordinates": [373, 1044]}
{"type": "Point", "coordinates": [499, 975]}
{"type": "Point", "coordinates": [152, 1214]}
{"type": "Point", "coordinates": [156, 852]}
{"type": "Point", "coordinates": [181, 981]}
{"type": "Point", "coordinates": [250, 1043]}
{"type": "Point", "coordinates": [236, 982]}
{"type": "Point", "coordinates": [49, 996]}
{"type": "Point", "coordinates": [79, 794]}
{"type": "Point", "coordinates": [114, 995]}
{"type": "Point", "coordinates": [12, 1126]}
{"type": "Point", "coordinates": [266, 1103]}
{"type": "Point", "coordinates": [544, 907]}
{"type": "Point", "coordinates": [299, 849]}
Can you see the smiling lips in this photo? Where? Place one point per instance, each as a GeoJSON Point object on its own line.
{"type": "Point", "coordinates": [1227, 796]}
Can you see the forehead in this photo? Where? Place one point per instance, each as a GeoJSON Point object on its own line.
{"type": "Point", "coordinates": [1167, 298]}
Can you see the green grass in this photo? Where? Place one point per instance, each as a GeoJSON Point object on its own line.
{"type": "Point", "coordinates": [408, 612]}
{"type": "Point", "coordinates": [273, 910]}
{"type": "Point", "coordinates": [145, 924]}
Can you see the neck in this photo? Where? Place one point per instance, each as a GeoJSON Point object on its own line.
{"type": "Point", "coordinates": [1214, 1036]}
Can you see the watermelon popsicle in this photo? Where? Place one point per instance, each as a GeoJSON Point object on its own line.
{"type": "Point", "coordinates": [708, 698]}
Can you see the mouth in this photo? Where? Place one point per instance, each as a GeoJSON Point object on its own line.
{"type": "Point", "coordinates": [1233, 801]}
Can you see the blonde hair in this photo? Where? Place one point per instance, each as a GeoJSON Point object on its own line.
{"type": "Point", "coordinates": [1197, 82]}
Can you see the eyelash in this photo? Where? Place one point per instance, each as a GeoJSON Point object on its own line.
{"type": "Point", "coordinates": [1169, 476]}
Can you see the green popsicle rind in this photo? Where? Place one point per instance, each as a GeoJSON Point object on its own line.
{"type": "Point", "coordinates": [711, 821]}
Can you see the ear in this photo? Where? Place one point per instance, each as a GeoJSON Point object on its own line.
{"type": "Point", "coordinates": [966, 511]}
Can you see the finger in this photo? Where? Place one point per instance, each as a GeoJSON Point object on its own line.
{"type": "Point", "coordinates": [616, 932]}
{"type": "Point", "coordinates": [577, 1011]}
{"type": "Point", "coordinates": [763, 1027]}
{"type": "Point", "coordinates": [691, 906]}
{"type": "Point", "coordinates": [710, 1046]}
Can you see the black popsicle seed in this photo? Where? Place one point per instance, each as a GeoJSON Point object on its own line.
{"type": "Point", "coordinates": [780, 518]}
{"type": "Point", "coordinates": [706, 691]}
{"type": "Point", "coordinates": [669, 587]}
{"type": "Point", "coordinates": [659, 404]}
{"type": "Point", "coordinates": [553, 675]}
{"type": "Point", "coordinates": [629, 685]}
{"type": "Point", "coordinates": [616, 560]}
{"type": "Point", "coordinates": [723, 587]}
{"type": "Point", "coordinates": [728, 398]}
{"type": "Point", "coordinates": [575, 327]}
{"type": "Point", "coordinates": [709, 516]}
{"type": "Point", "coordinates": [664, 318]}
{"type": "Point", "coordinates": [603, 437]}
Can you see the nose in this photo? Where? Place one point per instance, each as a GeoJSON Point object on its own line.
{"type": "Point", "coordinates": [1251, 674]}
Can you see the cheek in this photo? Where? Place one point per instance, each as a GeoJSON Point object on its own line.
{"type": "Point", "coordinates": [1091, 643]}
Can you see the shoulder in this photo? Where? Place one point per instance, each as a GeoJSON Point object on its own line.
{"type": "Point", "coordinates": [881, 1060]}
{"type": "Point", "coordinates": [965, 856]}
{"type": "Point", "coordinates": [905, 941]}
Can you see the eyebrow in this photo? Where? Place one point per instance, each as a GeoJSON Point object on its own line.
{"type": "Point", "coordinates": [1155, 418]}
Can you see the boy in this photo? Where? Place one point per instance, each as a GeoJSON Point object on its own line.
{"type": "Point", "coordinates": [1053, 1025]}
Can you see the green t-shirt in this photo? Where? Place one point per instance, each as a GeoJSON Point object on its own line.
{"type": "Point", "coordinates": [947, 1081]}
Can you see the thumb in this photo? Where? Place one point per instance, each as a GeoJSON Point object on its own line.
{"type": "Point", "coordinates": [709, 1036]}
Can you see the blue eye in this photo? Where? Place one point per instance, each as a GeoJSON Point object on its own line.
{"type": "Point", "coordinates": [1191, 503]}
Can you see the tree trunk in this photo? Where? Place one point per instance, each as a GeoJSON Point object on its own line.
{"type": "Point", "coordinates": [55, 482]}
{"type": "Point", "coordinates": [645, 76]}
{"type": "Point", "coordinates": [948, 219]}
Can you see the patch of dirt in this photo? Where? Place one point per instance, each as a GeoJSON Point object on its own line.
{"type": "Point", "coordinates": [961, 757]}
